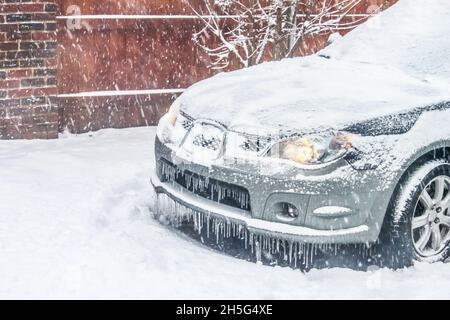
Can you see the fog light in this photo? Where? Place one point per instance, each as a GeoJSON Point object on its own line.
{"type": "Point", "coordinates": [286, 211]}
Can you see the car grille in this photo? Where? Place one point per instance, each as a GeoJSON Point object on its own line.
{"type": "Point", "coordinates": [187, 122]}
{"type": "Point", "coordinates": [255, 143]}
{"type": "Point", "coordinates": [212, 143]}
{"type": "Point", "coordinates": [205, 187]}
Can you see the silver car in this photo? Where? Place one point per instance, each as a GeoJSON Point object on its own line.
{"type": "Point", "coordinates": [346, 148]}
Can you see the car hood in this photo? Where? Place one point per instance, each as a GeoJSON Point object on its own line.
{"type": "Point", "coordinates": [309, 93]}
{"type": "Point", "coordinates": [393, 63]}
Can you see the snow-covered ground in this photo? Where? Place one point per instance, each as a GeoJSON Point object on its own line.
{"type": "Point", "coordinates": [75, 223]}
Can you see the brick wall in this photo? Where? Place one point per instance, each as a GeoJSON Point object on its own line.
{"type": "Point", "coordinates": [28, 61]}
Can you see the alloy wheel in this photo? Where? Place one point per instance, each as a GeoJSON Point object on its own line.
{"type": "Point", "coordinates": [431, 220]}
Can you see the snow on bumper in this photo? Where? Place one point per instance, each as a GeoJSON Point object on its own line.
{"type": "Point", "coordinates": [173, 200]}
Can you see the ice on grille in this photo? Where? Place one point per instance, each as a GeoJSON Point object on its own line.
{"type": "Point", "coordinates": [206, 187]}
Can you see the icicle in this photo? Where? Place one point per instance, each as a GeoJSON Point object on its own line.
{"type": "Point", "coordinates": [217, 230]}
{"type": "Point", "coordinates": [246, 239]}
{"type": "Point", "coordinates": [208, 219]}
{"type": "Point", "coordinates": [284, 251]}
{"type": "Point", "coordinates": [290, 252]}
{"type": "Point", "coordinates": [304, 254]}
{"type": "Point", "coordinates": [258, 251]}
{"type": "Point", "coordinates": [262, 246]}
{"type": "Point", "coordinates": [295, 254]}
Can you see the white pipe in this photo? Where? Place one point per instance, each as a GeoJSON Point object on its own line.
{"type": "Point", "coordinates": [120, 93]}
{"type": "Point", "coordinates": [168, 17]}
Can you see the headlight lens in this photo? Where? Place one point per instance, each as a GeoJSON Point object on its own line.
{"type": "Point", "coordinates": [166, 125]}
{"type": "Point", "coordinates": [173, 112]}
{"type": "Point", "coordinates": [314, 150]}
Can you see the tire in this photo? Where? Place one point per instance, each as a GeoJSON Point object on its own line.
{"type": "Point", "coordinates": [412, 225]}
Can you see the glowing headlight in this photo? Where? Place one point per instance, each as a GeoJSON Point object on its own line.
{"type": "Point", "coordinates": [313, 150]}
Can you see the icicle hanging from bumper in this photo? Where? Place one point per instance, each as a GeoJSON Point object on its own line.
{"type": "Point", "coordinates": [259, 245]}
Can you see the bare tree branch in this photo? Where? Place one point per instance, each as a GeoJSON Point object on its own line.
{"type": "Point", "coordinates": [250, 31]}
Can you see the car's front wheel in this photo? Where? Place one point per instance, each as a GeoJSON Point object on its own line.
{"type": "Point", "coordinates": [418, 227]}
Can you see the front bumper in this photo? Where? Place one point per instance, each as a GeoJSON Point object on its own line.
{"type": "Point", "coordinates": [180, 198]}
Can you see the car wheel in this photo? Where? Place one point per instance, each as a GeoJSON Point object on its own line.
{"type": "Point", "coordinates": [419, 226]}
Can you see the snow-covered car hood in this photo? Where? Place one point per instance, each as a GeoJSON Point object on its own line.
{"type": "Point", "coordinates": [395, 62]}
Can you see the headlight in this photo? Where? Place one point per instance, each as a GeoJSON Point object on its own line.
{"type": "Point", "coordinates": [165, 129]}
{"type": "Point", "coordinates": [173, 112]}
{"type": "Point", "coordinates": [314, 150]}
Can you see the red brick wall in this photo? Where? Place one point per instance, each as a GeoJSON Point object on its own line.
{"type": "Point", "coordinates": [28, 62]}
